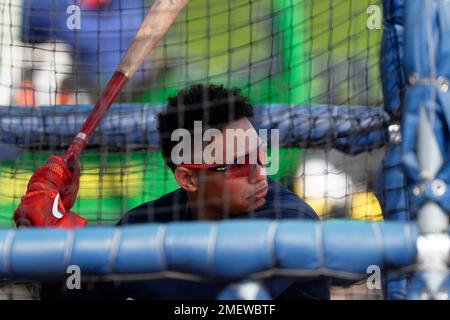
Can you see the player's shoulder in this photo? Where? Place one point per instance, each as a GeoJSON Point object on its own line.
{"type": "Point", "coordinates": [164, 209]}
{"type": "Point", "coordinates": [287, 204]}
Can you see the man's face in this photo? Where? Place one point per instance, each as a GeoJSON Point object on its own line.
{"type": "Point", "coordinates": [227, 192]}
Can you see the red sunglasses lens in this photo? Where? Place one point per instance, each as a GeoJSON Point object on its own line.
{"type": "Point", "coordinates": [239, 170]}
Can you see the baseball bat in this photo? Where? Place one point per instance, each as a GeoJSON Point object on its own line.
{"type": "Point", "coordinates": [160, 17]}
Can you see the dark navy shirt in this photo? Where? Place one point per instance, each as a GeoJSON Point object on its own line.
{"type": "Point", "coordinates": [280, 203]}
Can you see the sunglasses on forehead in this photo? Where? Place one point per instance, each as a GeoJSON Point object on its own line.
{"type": "Point", "coordinates": [242, 167]}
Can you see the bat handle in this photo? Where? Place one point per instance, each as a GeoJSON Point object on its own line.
{"type": "Point", "coordinates": [112, 90]}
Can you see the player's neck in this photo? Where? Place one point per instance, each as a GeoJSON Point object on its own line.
{"type": "Point", "coordinates": [201, 210]}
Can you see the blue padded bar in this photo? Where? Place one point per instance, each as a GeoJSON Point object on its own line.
{"type": "Point", "coordinates": [392, 56]}
{"type": "Point", "coordinates": [225, 250]}
{"type": "Point", "coordinates": [351, 129]}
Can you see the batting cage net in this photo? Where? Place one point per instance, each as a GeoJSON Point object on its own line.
{"type": "Point", "coordinates": [311, 69]}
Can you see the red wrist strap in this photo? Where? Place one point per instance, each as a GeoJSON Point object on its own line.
{"type": "Point", "coordinates": [71, 221]}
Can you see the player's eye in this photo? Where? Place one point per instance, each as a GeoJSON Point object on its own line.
{"type": "Point", "coordinates": [239, 169]}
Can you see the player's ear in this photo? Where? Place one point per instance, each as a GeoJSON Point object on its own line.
{"type": "Point", "coordinates": [186, 179]}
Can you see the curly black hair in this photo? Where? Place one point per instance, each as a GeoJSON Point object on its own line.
{"type": "Point", "coordinates": [214, 105]}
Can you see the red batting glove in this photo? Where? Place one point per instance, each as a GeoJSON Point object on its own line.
{"type": "Point", "coordinates": [51, 193]}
